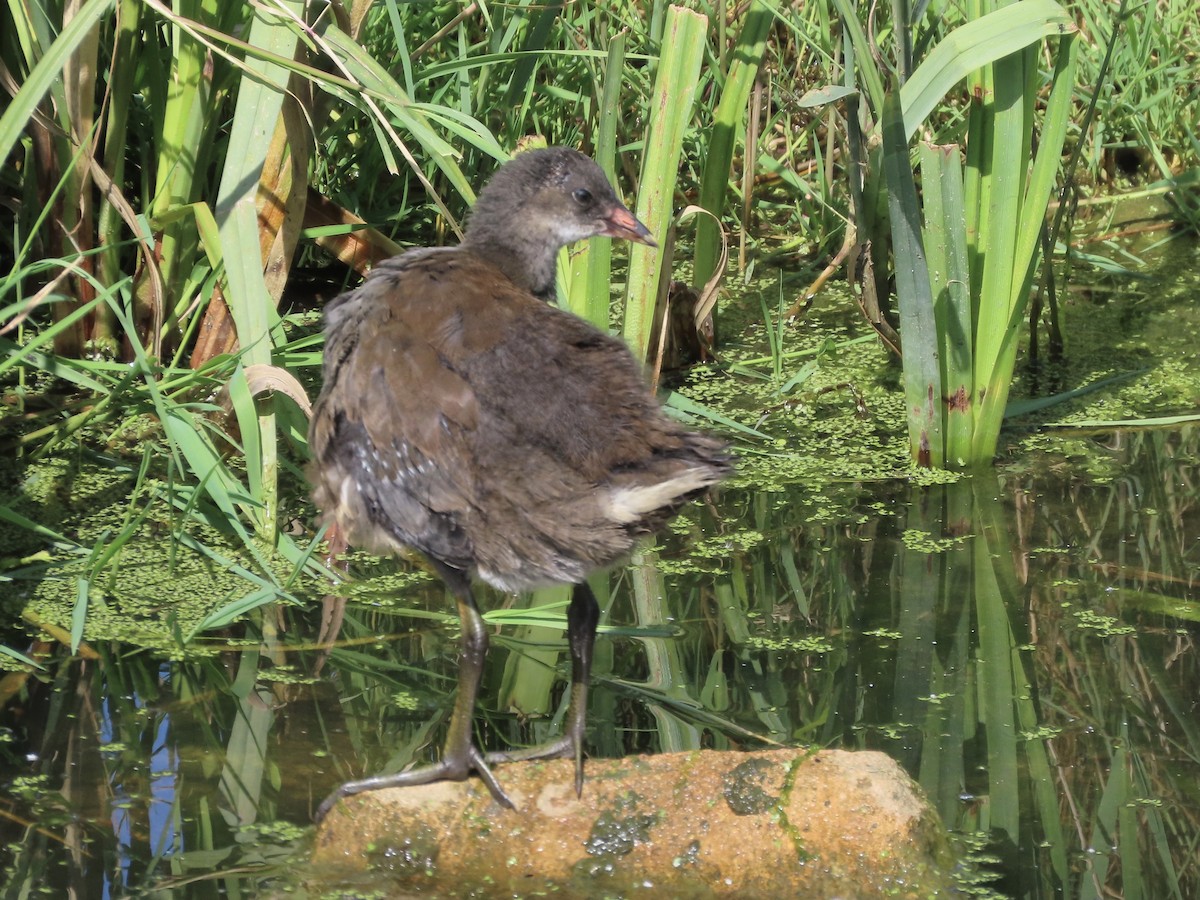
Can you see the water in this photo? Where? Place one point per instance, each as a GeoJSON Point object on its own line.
{"type": "Point", "coordinates": [1023, 643]}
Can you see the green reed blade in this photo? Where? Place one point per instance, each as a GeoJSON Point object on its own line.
{"type": "Point", "coordinates": [974, 45]}
{"type": "Point", "coordinates": [47, 72]}
{"type": "Point", "coordinates": [670, 115]}
{"type": "Point", "coordinates": [726, 129]}
{"type": "Point", "coordinates": [922, 378]}
{"type": "Point", "coordinates": [591, 268]}
{"type": "Point", "coordinates": [945, 239]}
{"type": "Point", "coordinates": [259, 103]}
{"type": "Point", "coordinates": [1002, 312]}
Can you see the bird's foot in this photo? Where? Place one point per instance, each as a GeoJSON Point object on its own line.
{"type": "Point", "coordinates": [569, 746]}
{"type": "Point", "coordinates": [448, 769]}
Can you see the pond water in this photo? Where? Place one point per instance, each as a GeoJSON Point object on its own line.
{"type": "Point", "coordinates": [1022, 641]}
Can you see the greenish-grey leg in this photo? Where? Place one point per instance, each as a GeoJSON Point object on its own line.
{"type": "Point", "coordinates": [583, 615]}
{"type": "Point", "coordinates": [460, 756]}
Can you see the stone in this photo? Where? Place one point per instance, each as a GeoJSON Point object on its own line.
{"type": "Point", "coordinates": [780, 823]}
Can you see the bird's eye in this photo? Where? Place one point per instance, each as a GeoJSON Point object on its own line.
{"type": "Point", "coordinates": [582, 196]}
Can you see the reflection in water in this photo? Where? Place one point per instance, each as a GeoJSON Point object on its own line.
{"type": "Point", "coordinates": [1023, 642]}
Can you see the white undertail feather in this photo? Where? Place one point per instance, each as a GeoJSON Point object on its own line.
{"type": "Point", "coordinates": [628, 504]}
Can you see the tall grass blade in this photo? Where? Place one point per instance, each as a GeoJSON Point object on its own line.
{"type": "Point", "coordinates": [974, 45]}
{"type": "Point", "coordinates": [945, 242]}
{"type": "Point", "coordinates": [922, 378]}
{"type": "Point", "coordinates": [258, 109]}
{"type": "Point", "coordinates": [590, 293]}
{"type": "Point", "coordinates": [863, 54]}
{"type": "Point", "coordinates": [79, 613]}
{"type": "Point", "coordinates": [726, 128]}
{"type": "Point", "coordinates": [671, 114]}
{"type": "Point", "coordinates": [1001, 314]}
{"type": "Point", "coordinates": [47, 71]}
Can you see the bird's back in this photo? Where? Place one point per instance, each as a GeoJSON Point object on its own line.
{"type": "Point", "coordinates": [466, 418]}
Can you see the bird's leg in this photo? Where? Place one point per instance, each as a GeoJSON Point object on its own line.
{"type": "Point", "coordinates": [582, 617]}
{"type": "Point", "coordinates": [460, 756]}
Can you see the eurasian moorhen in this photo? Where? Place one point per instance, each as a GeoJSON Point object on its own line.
{"type": "Point", "coordinates": [504, 438]}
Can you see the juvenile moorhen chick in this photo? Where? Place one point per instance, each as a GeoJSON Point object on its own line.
{"type": "Point", "coordinates": [504, 438]}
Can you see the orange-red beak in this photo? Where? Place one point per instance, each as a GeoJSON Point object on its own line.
{"type": "Point", "coordinates": [622, 224]}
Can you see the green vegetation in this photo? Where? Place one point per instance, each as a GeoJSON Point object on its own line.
{"type": "Point", "coordinates": [183, 185]}
{"type": "Point", "coordinates": [157, 261]}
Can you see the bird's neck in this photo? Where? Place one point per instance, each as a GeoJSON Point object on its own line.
{"type": "Point", "coordinates": [529, 259]}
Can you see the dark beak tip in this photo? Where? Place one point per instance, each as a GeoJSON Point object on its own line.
{"type": "Point", "coordinates": [621, 223]}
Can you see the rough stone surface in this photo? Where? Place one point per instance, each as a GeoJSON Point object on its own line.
{"type": "Point", "coordinates": [784, 823]}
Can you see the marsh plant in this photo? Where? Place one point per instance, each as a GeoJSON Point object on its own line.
{"type": "Point", "coordinates": [184, 184]}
